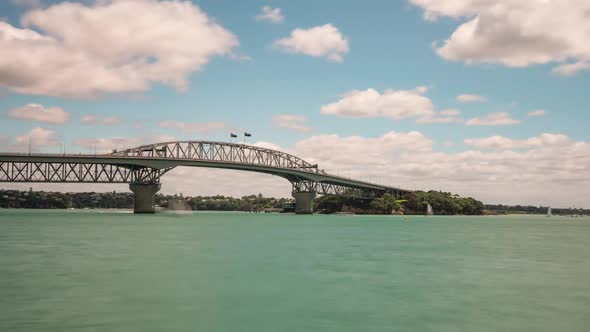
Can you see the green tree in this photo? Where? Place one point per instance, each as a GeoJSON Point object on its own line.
{"type": "Point", "coordinates": [385, 204]}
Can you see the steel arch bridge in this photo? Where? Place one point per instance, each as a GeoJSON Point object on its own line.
{"type": "Point", "coordinates": [142, 167]}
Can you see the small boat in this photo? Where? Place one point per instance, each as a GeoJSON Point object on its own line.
{"type": "Point", "coordinates": [549, 212]}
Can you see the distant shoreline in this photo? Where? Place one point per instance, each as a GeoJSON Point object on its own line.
{"type": "Point", "coordinates": [414, 204]}
{"type": "Point", "coordinates": [130, 210]}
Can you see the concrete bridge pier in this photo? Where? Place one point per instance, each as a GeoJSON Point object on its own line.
{"type": "Point", "coordinates": [304, 202]}
{"type": "Point", "coordinates": [144, 197]}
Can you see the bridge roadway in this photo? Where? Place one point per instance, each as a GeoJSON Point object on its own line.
{"type": "Point", "coordinates": [142, 168]}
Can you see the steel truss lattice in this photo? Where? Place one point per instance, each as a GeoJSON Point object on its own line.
{"type": "Point", "coordinates": [324, 188]}
{"type": "Point", "coordinates": [219, 151]}
{"type": "Point", "coordinates": [77, 172]}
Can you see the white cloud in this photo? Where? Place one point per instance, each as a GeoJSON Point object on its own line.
{"type": "Point", "coordinates": [505, 143]}
{"type": "Point", "coordinates": [97, 121]}
{"type": "Point", "coordinates": [108, 144]}
{"type": "Point", "coordinates": [36, 112]}
{"type": "Point", "coordinates": [444, 116]}
{"type": "Point", "coordinates": [35, 141]}
{"type": "Point", "coordinates": [493, 119]}
{"type": "Point", "coordinates": [240, 57]}
{"type": "Point", "coordinates": [392, 104]}
{"type": "Point", "coordinates": [569, 69]}
{"type": "Point", "coordinates": [515, 33]}
{"type": "Point", "coordinates": [164, 42]}
{"type": "Point", "coordinates": [38, 137]}
{"type": "Point", "coordinates": [321, 41]}
{"type": "Point", "coordinates": [193, 127]}
{"type": "Point", "coordinates": [536, 113]}
{"type": "Point", "coordinates": [293, 122]}
{"type": "Point", "coordinates": [408, 160]}
{"type": "Point", "coordinates": [469, 98]}
{"type": "Point", "coordinates": [450, 112]}
{"type": "Point", "coordinates": [268, 145]}
{"type": "Point", "coordinates": [355, 150]}
{"type": "Point", "coordinates": [270, 14]}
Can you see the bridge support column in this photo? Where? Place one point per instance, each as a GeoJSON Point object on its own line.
{"type": "Point", "coordinates": [144, 197]}
{"type": "Point", "coordinates": [304, 202]}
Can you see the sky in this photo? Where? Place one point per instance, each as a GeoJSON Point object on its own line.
{"type": "Point", "coordinates": [482, 98]}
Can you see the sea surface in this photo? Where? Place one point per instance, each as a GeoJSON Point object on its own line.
{"type": "Point", "coordinates": [115, 271]}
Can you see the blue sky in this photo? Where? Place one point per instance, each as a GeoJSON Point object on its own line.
{"type": "Point", "coordinates": [391, 45]}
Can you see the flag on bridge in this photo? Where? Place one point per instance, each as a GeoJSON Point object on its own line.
{"type": "Point", "coordinates": [232, 135]}
{"type": "Point", "coordinates": [247, 134]}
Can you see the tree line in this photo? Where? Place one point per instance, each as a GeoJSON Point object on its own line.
{"type": "Point", "coordinates": [124, 200]}
{"type": "Point", "coordinates": [528, 209]}
{"type": "Point", "coordinates": [442, 203]}
{"type": "Point", "coordinates": [411, 203]}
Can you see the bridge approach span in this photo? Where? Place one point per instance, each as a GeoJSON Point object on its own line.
{"type": "Point", "coordinates": [142, 168]}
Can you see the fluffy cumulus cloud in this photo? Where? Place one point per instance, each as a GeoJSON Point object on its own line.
{"type": "Point", "coordinates": [40, 113]}
{"type": "Point", "coordinates": [445, 116]}
{"type": "Point", "coordinates": [100, 121]}
{"type": "Point", "coordinates": [470, 98]}
{"type": "Point", "coordinates": [321, 41]}
{"type": "Point", "coordinates": [38, 137]}
{"type": "Point", "coordinates": [60, 50]}
{"type": "Point", "coordinates": [493, 119]}
{"type": "Point", "coordinates": [35, 140]}
{"type": "Point", "coordinates": [108, 144]}
{"type": "Point", "coordinates": [105, 144]}
{"type": "Point", "coordinates": [514, 171]}
{"type": "Point", "coordinates": [392, 104]}
{"type": "Point", "coordinates": [293, 122]}
{"type": "Point", "coordinates": [193, 127]}
{"type": "Point", "coordinates": [516, 33]}
{"type": "Point", "coordinates": [569, 69]}
{"type": "Point", "coordinates": [355, 149]}
{"type": "Point", "coordinates": [270, 14]}
{"type": "Point", "coordinates": [536, 113]}
{"type": "Point", "coordinates": [505, 143]}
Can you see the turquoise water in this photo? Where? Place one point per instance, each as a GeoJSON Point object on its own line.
{"type": "Point", "coordinates": [91, 271]}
